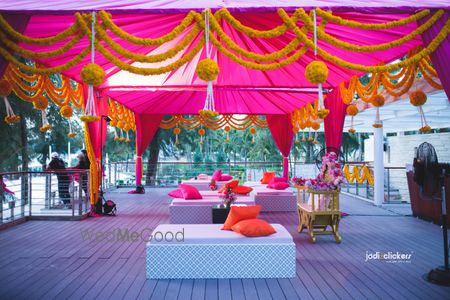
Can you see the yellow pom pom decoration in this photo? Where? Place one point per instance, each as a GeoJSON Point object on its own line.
{"type": "Point", "coordinates": [206, 113]}
{"type": "Point", "coordinates": [5, 88]}
{"type": "Point", "coordinates": [425, 129]}
{"type": "Point", "coordinates": [40, 103]}
{"type": "Point", "coordinates": [351, 130]}
{"type": "Point", "coordinates": [253, 130]}
{"type": "Point", "coordinates": [113, 123]}
{"type": "Point", "coordinates": [227, 128]}
{"type": "Point", "coordinates": [323, 113]}
{"type": "Point", "coordinates": [417, 98]}
{"type": "Point", "coordinates": [93, 74]}
{"type": "Point", "coordinates": [377, 101]}
{"type": "Point", "coordinates": [352, 110]}
{"type": "Point", "coordinates": [316, 72]}
{"type": "Point", "coordinates": [176, 130]}
{"type": "Point", "coordinates": [66, 111]}
{"type": "Point", "coordinates": [201, 131]}
{"type": "Point", "coordinates": [120, 124]}
{"type": "Point", "coordinates": [207, 69]}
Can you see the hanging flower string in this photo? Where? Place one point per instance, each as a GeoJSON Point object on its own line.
{"type": "Point", "coordinates": [93, 75]}
{"type": "Point", "coordinates": [201, 132]}
{"type": "Point", "coordinates": [378, 101]}
{"type": "Point", "coordinates": [46, 126]}
{"type": "Point", "coordinates": [316, 72]}
{"type": "Point", "coordinates": [352, 110]}
{"type": "Point", "coordinates": [116, 137]}
{"type": "Point", "coordinates": [227, 130]}
{"type": "Point", "coordinates": [418, 99]}
{"type": "Point", "coordinates": [207, 69]}
{"type": "Point", "coordinates": [253, 133]}
{"type": "Point", "coordinates": [5, 90]}
{"type": "Point", "coordinates": [177, 132]}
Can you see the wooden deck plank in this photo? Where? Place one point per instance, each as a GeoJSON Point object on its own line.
{"type": "Point", "coordinates": [52, 261]}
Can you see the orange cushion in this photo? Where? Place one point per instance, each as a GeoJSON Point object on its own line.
{"type": "Point", "coordinates": [253, 228]}
{"type": "Point", "coordinates": [267, 177]}
{"type": "Point", "coordinates": [242, 190]}
{"type": "Point", "coordinates": [240, 213]}
{"type": "Point", "coordinates": [232, 184]}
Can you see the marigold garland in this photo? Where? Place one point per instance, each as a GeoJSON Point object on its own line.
{"type": "Point", "coordinates": [359, 173]}
{"type": "Point", "coordinates": [207, 69]}
{"type": "Point", "coordinates": [89, 118]}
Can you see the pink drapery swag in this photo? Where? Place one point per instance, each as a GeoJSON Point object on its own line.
{"type": "Point", "coordinates": [334, 122]}
{"type": "Point", "coordinates": [146, 127]}
{"type": "Point", "coordinates": [440, 57]}
{"type": "Point", "coordinates": [281, 129]}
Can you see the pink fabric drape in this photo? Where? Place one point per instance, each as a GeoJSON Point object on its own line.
{"type": "Point", "coordinates": [18, 22]}
{"type": "Point", "coordinates": [146, 127]}
{"type": "Point", "coordinates": [334, 122]}
{"type": "Point", "coordinates": [281, 129]}
{"type": "Point", "coordinates": [440, 57]}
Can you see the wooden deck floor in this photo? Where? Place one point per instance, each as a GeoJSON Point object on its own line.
{"type": "Point", "coordinates": [49, 259]}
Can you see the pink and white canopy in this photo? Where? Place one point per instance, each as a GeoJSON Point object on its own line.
{"type": "Point", "coordinates": [237, 89]}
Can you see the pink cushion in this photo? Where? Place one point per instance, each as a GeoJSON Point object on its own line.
{"type": "Point", "coordinates": [217, 174]}
{"type": "Point", "coordinates": [176, 194]}
{"type": "Point", "coordinates": [277, 179]}
{"type": "Point", "coordinates": [190, 192]}
{"type": "Point", "coordinates": [278, 185]}
{"type": "Point", "coordinates": [225, 177]}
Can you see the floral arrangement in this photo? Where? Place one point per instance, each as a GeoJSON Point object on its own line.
{"type": "Point", "coordinates": [228, 196]}
{"type": "Point", "coordinates": [66, 111]}
{"type": "Point", "coordinates": [213, 185]}
{"type": "Point", "coordinates": [298, 181]}
{"type": "Point", "coordinates": [207, 69]}
{"type": "Point", "coordinates": [316, 72]}
{"type": "Point", "coordinates": [206, 113]}
{"type": "Point", "coordinates": [40, 103]}
{"type": "Point", "coordinates": [330, 177]}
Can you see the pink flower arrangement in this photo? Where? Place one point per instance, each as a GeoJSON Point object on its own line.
{"type": "Point", "coordinates": [298, 181]}
{"type": "Point", "coordinates": [213, 185]}
{"type": "Point", "coordinates": [330, 176]}
{"type": "Point", "coordinates": [228, 196]}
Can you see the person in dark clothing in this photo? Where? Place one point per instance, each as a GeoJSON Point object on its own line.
{"type": "Point", "coordinates": [58, 165]}
{"type": "Point", "coordinates": [83, 164]}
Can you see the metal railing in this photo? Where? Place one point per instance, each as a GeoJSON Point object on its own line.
{"type": "Point", "coordinates": [47, 194]}
{"type": "Point", "coordinates": [171, 173]}
{"type": "Point", "coordinates": [395, 185]}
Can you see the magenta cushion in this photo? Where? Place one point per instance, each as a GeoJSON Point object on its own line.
{"type": "Point", "coordinates": [277, 179]}
{"type": "Point", "coordinates": [217, 174]}
{"type": "Point", "coordinates": [190, 192]}
{"type": "Point", "coordinates": [225, 177]}
{"type": "Point", "coordinates": [176, 194]}
{"type": "Point", "coordinates": [278, 185]}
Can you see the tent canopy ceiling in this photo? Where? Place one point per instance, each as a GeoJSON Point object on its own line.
{"type": "Point", "coordinates": [237, 89]}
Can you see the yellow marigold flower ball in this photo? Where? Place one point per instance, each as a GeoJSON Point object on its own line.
{"type": "Point", "coordinates": [113, 123]}
{"type": "Point", "coordinates": [323, 113]}
{"type": "Point", "coordinates": [66, 111]}
{"type": "Point", "coordinates": [351, 130]}
{"type": "Point", "coordinates": [425, 129]}
{"type": "Point", "coordinates": [418, 98]}
{"type": "Point", "coordinates": [40, 103]}
{"type": "Point", "coordinates": [316, 72]}
{"type": "Point", "coordinates": [295, 129]}
{"type": "Point", "coordinates": [315, 125]}
{"type": "Point", "coordinates": [352, 110]}
{"type": "Point", "coordinates": [71, 134]}
{"type": "Point", "coordinates": [227, 128]}
{"type": "Point", "coordinates": [126, 127]}
{"type": "Point", "coordinates": [253, 130]}
{"type": "Point", "coordinates": [5, 88]}
{"type": "Point", "coordinates": [92, 74]}
{"type": "Point", "coordinates": [12, 119]}
{"type": "Point", "coordinates": [207, 69]}
{"type": "Point", "coordinates": [116, 138]}
{"type": "Point", "coordinates": [201, 131]}
{"type": "Point", "coordinates": [378, 100]}
{"type": "Point", "coordinates": [377, 125]}
{"type": "Point", "coordinates": [176, 130]}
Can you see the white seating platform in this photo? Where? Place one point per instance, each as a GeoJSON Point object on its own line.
{"type": "Point", "coordinates": [206, 251]}
{"type": "Point", "coordinates": [273, 200]}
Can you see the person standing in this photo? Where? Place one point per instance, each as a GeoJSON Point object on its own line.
{"type": "Point", "coordinates": [58, 165]}
{"type": "Point", "coordinates": [83, 164]}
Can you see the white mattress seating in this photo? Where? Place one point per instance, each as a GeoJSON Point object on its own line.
{"type": "Point", "coordinates": [203, 185]}
{"type": "Point", "coordinates": [275, 200]}
{"type": "Point", "coordinates": [206, 251]}
{"type": "Point", "coordinates": [199, 211]}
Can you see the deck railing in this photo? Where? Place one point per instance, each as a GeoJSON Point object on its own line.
{"type": "Point", "coordinates": [44, 195]}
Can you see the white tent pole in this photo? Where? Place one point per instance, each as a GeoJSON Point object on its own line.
{"type": "Point", "coordinates": [378, 169]}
